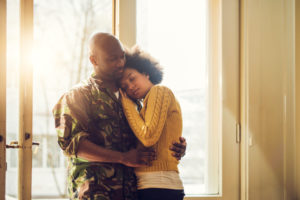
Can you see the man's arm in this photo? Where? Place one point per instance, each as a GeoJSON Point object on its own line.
{"type": "Point", "coordinates": [179, 148]}
{"type": "Point", "coordinates": [94, 153]}
{"type": "Point", "coordinates": [73, 136]}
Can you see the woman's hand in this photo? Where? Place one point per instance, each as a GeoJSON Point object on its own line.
{"type": "Point", "coordinates": [122, 93]}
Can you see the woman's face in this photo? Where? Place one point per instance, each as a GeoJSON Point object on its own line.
{"type": "Point", "coordinates": [135, 84]}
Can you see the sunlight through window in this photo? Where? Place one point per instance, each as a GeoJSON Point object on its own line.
{"type": "Point", "coordinates": [175, 32]}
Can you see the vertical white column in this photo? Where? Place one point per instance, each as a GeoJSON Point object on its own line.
{"type": "Point", "coordinates": [230, 62]}
{"type": "Point", "coordinates": [126, 22]}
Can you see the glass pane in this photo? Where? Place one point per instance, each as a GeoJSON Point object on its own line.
{"type": "Point", "coordinates": [12, 97]}
{"type": "Point", "coordinates": [175, 32]}
{"type": "Point", "coordinates": [61, 33]}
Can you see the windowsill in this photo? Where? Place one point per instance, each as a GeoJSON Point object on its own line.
{"type": "Point", "coordinates": [186, 197]}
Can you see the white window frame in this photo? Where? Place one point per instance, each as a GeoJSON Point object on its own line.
{"type": "Point", "coordinates": [225, 56]}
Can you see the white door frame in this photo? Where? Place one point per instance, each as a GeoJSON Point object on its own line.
{"type": "Point", "coordinates": [2, 97]}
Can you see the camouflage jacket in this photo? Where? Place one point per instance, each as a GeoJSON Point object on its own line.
{"type": "Point", "coordinates": [93, 112]}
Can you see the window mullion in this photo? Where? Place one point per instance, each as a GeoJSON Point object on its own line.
{"type": "Point", "coordinates": [25, 128]}
{"type": "Point", "coordinates": [126, 22]}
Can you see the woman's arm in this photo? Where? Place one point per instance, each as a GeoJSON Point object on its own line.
{"type": "Point", "coordinates": [148, 128]}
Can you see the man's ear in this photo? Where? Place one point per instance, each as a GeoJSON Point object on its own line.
{"type": "Point", "coordinates": [93, 60]}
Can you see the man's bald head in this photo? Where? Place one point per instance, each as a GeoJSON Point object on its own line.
{"type": "Point", "coordinates": [107, 56]}
{"type": "Point", "coordinates": [103, 41]}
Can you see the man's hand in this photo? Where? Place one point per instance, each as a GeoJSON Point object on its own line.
{"type": "Point", "coordinates": [138, 158]}
{"type": "Point", "coordinates": [178, 148]}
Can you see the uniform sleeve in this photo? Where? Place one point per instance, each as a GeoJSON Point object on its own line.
{"type": "Point", "coordinates": [70, 123]}
{"type": "Point", "coordinates": [148, 128]}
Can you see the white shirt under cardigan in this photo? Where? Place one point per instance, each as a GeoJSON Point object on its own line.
{"type": "Point", "coordinates": [159, 179]}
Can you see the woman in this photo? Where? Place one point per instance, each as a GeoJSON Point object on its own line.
{"type": "Point", "coordinates": [156, 125]}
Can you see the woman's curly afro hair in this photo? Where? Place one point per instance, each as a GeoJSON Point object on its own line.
{"type": "Point", "coordinates": [144, 64]}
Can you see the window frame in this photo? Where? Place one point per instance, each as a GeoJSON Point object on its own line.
{"type": "Point", "coordinates": [125, 27]}
{"type": "Point", "coordinates": [224, 48]}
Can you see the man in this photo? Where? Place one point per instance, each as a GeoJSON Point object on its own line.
{"type": "Point", "coordinates": [93, 131]}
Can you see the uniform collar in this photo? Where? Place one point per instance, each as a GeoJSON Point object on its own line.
{"type": "Point", "coordinates": [102, 85]}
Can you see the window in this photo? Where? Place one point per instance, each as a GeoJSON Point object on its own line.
{"type": "Point", "coordinates": [178, 38]}
{"type": "Point", "coordinates": [198, 44]}
{"type": "Point", "coordinates": [12, 95]}
{"type": "Point", "coordinates": [60, 59]}
{"type": "Point", "coordinates": [61, 33]}
{"type": "Point", "coordinates": [61, 30]}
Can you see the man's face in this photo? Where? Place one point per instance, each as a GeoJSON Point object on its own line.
{"type": "Point", "coordinates": [110, 59]}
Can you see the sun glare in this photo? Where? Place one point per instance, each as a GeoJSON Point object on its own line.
{"type": "Point", "coordinates": [39, 59]}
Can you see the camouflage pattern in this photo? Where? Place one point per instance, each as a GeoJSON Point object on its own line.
{"type": "Point", "coordinates": [93, 112]}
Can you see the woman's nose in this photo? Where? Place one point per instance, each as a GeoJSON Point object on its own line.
{"type": "Point", "coordinates": [131, 87]}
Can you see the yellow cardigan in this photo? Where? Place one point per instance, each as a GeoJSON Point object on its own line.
{"type": "Point", "coordinates": [158, 124]}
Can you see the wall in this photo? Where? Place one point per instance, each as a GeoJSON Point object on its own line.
{"type": "Point", "coordinates": [298, 97]}
{"type": "Point", "coordinates": [268, 99]}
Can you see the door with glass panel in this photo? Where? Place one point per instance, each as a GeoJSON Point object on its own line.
{"type": "Point", "coordinates": [16, 98]}
{"type": "Point", "coordinates": [197, 43]}
{"type": "Point", "coordinates": [12, 96]}
{"type": "Point", "coordinates": [60, 59]}
{"type": "Point", "coordinates": [55, 60]}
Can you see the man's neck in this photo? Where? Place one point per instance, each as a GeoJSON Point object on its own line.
{"type": "Point", "coordinates": [110, 84]}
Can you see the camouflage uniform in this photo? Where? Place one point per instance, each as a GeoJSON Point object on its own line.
{"type": "Point", "coordinates": [93, 112]}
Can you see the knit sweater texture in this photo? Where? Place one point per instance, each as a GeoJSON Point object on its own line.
{"type": "Point", "coordinates": [157, 125]}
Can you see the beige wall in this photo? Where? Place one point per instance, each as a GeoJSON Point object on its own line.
{"type": "Point", "coordinates": [298, 96]}
{"type": "Point", "coordinates": [268, 103]}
